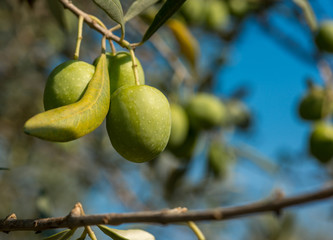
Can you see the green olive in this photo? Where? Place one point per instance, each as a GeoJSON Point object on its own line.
{"type": "Point", "coordinates": [217, 14]}
{"type": "Point", "coordinates": [193, 11]}
{"type": "Point", "coordinates": [139, 122]}
{"type": "Point", "coordinates": [205, 111]}
{"type": "Point", "coordinates": [219, 157]}
{"type": "Point", "coordinates": [321, 142]}
{"type": "Point", "coordinates": [186, 149]}
{"type": "Point", "coordinates": [312, 106]}
{"type": "Point", "coordinates": [324, 36]}
{"type": "Point", "coordinates": [238, 8]}
{"type": "Point", "coordinates": [67, 83]}
{"type": "Point", "coordinates": [179, 125]}
{"type": "Point", "coordinates": [121, 71]}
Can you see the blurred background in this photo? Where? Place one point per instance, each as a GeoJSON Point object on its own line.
{"type": "Point", "coordinates": [258, 57]}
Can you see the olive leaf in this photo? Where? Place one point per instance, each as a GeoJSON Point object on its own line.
{"type": "Point", "coordinates": [247, 152]}
{"type": "Point", "coordinates": [189, 46]}
{"type": "Point", "coordinates": [115, 11]}
{"type": "Point", "coordinates": [137, 7]}
{"type": "Point", "coordinates": [68, 235]}
{"type": "Point", "coordinates": [75, 120]}
{"type": "Point", "coordinates": [2, 168]}
{"type": "Point", "coordinates": [58, 235]}
{"type": "Point", "coordinates": [167, 10]}
{"type": "Point", "coordinates": [132, 234]}
{"type": "Point", "coordinates": [57, 11]}
{"type": "Point", "coordinates": [308, 13]}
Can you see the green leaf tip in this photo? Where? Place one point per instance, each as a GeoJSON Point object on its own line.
{"type": "Point", "coordinates": [167, 10]}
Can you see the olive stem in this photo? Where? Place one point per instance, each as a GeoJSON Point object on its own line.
{"type": "Point", "coordinates": [196, 230]}
{"type": "Point", "coordinates": [79, 38]}
{"type": "Point", "coordinates": [134, 66]}
{"type": "Point", "coordinates": [122, 36]}
{"type": "Point", "coordinates": [97, 21]}
{"type": "Point", "coordinates": [87, 229]}
{"type": "Point", "coordinates": [102, 25]}
{"type": "Point", "coordinates": [115, 28]}
{"type": "Point", "coordinates": [309, 15]}
{"type": "Point", "coordinates": [181, 73]}
{"type": "Point", "coordinates": [104, 44]}
{"type": "Point", "coordinates": [113, 49]}
{"type": "Point", "coordinates": [127, 45]}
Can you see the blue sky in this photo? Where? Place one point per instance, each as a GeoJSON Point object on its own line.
{"type": "Point", "coordinates": [277, 81]}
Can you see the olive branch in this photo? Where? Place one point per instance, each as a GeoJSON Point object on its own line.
{"type": "Point", "coordinates": [169, 216]}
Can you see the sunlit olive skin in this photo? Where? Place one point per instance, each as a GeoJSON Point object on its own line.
{"type": "Point", "coordinates": [67, 83]}
{"type": "Point", "coordinates": [194, 11]}
{"type": "Point", "coordinates": [179, 125]}
{"type": "Point", "coordinates": [139, 122]}
{"type": "Point", "coordinates": [324, 36]}
{"type": "Point", "coordinates": [217, 14]}
{"type": "Point", "coordinates": [321, 142]}
{"type": "Point", "coordinates": [121, 70]}
{"type": "Point", "coordinates": [313, 106]}
{"type": "Point", "coordinates": [238, 8]}
{"type": "Point", "coordinates": [205, 111]}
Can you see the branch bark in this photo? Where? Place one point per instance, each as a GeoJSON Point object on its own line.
{"type": "Point", "coordinates": [275, 205]}
{"type": "Point", "coordinates": [91, 22]}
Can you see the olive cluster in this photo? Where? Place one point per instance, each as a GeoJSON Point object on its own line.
{"type": "Point", "coordinates": [217, 14]}
{"type": "Point", "coordinates": [78, 97]}
{"type": "Point", "coordinates": [204, 112]}
{"type": "Point", "coordinates": [316, 106]}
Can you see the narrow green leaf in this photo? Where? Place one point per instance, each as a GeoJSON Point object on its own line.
{"type": "Point", "coordinates": [75, 120]}
{"type": "Point", "coordinates": [83, 235]}
{"type": "Point", "coordinates": [57, 11]}
{"type": "Point", "coordinates": [308, 13]}
{"type": "Point", "coordinates": [57, 235]}
{"type": "Point", "coordinates": [137, 7]}
{"type": "Point", "coordinates": [114, 9]}
{"type": "Point", "coordinates": [68, 235]}
{"type": "Point", "coordinates": [167, 10]}
{"type": "Point", "coordinates": [251, 154]}
{"type": "Point", "coordinates": [2, 168]}
{"type": "Point", "coordinates": [189, 46]}
{"type": "Point", "coordinates": [132, 234]}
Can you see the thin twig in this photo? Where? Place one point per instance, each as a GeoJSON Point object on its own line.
{"type": "Point", "coordinates": [158, 42]}
{"type": "Point", "coordinates": [79, 38]}
{"type": "Point", "coordinates": [87, 229]}
{"type": "Point", "coordinates": [92, 22]}
{"type": "Point", "coordinates": [134, 67]}
{"type": "Point", "coordinates": [196, 230]}
{"type": "Point", "coordinates": [74, 219]}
